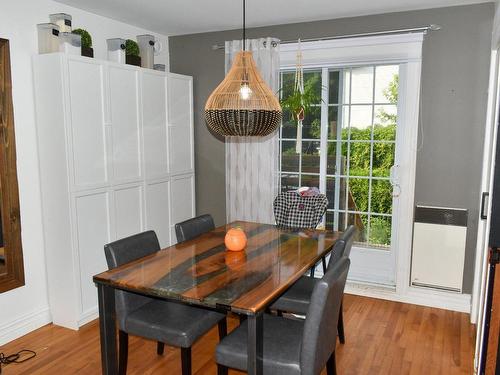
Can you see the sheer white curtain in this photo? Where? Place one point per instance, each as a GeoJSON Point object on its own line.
{"type": "Point", "coordinates": [252, 162]}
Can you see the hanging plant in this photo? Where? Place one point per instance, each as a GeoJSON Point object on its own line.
{"type": "Point", "coordinates": [300, 101]}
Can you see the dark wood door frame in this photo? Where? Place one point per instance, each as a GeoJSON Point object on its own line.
{"type": "Point", "coordinates": [9, 192]}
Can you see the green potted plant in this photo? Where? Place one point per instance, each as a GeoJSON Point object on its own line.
{"type": "Point", "coordinates": [87, 49]}
{"type": "Point", "coordinates": [132, 56]}
{"type": "Point", "coordinates": [299, 103]}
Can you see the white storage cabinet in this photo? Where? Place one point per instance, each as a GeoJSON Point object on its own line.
{"type": "Point", "coordinates": [115, 144]}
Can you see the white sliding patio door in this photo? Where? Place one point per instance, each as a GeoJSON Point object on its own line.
{"type": "Point", "coordinates": [358, 146]}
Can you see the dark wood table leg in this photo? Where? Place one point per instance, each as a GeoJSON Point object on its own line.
{"type": "Point", "coordinates": [107, 325]}
{"type": "Point", "coordinates": [255, 343]}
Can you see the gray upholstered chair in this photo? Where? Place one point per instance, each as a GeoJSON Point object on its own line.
{"type": "Point", "coordinates": [165, 322]}
{"type": "Point", "coordinates": [194, 227]}
{"type": "Point", "coordinates": [297, 298]}
{"type": "Point", "coordinates": [293, 347]}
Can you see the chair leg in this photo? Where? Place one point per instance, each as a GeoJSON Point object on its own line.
{"type": "Point", "coordinates": [331, 367]}
{"type": "Point", "coordinates": [279, 313]}
{"type": "Point", "coordinates": [160, 348]}
{"type": "Point", "coordinates": [123, 352]}
{"type": "Point", "coordinates": [340, 326]}
{"type": "Point", "coordinates": [312, 271]}
{"type": "Point", "coordinates": [323, 261]}
{"type": "Point", "coordinates": [222, 325]}
{"type": "Point", "coordinates": [186, 361]}
{"type": "Point", "coordinates": [221, 370]}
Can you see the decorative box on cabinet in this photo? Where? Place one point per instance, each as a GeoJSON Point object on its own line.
{"type": "Point", "coordinates": [115, 146]}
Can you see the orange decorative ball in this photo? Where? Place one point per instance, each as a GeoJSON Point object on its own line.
{"type": "Point", "coordinates": [236, 239]}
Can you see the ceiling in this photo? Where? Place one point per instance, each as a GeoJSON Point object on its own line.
{"type": "Point", "coordinates": [176, 17]}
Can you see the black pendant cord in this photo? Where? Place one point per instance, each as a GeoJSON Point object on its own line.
{"type": "Point", "coordinates": [244, 25]}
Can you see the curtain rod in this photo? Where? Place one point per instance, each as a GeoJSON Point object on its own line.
{"type": "Point", "coordinates": [422, 29]}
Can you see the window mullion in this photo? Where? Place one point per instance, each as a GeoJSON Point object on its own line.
{"type": "Point", "coordinates": [338, 149]}
{"type": "Point", "coordinates": [324, 131]}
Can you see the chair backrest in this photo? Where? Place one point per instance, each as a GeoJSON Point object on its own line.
{"type": "Point", "coordinates": [124, 251]}
{"type": "Point", "coordinates": [337, 252]}
{"type": "Point", "coordinates": [348, 237]}
{"type": "Point", "coordinates": [342, 247]}
{"type": "Point", "coordinates": [292, 210]}
{"type": "Point", "coordinates": [194, 227]}
{"type": "Point", "coordinates": [320, 328]}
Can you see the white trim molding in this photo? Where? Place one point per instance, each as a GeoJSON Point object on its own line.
{"type": "Point", "coordinates": [24, 324]}
{"type": "Point", "coordinates": [415, 296]}
{"type": "Point", "coordinates": [362, 51]}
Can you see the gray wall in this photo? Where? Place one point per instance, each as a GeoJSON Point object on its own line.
{"type": "Point", "coordinates": [454, 91]}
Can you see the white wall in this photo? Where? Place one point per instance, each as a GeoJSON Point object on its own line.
{"type": "Point", "coordinates": [495, 40]}
{"type": "Point", "coordinates": [26, 308]}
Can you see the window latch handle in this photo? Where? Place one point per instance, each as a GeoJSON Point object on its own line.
{"type": "Point", "coordinates": [394, 180]}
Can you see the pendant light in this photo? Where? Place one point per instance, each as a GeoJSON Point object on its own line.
{"type": "Point", "coordinates": [243, 104]}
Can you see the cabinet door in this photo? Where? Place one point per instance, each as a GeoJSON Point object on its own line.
{"type": "Point", "coordinates": [157, 211]}
{"type": "Point", "coordinates": [92, 220]}
{"type": "Point", "coordinates": [180, 119]}
{"type": "Point", "coordinates": [124, 112]}
{"type": "Point", "coordinates": [154, 124]}
{"type": "Point", "coordinates": [87, 123]}
{"type": "Point", "coordinates": [182, 200]}
{"type": "Point", "coordinates": [128, 211]}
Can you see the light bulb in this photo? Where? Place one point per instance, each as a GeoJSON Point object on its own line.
{"type": "Point", "coordinates": [245, 91]}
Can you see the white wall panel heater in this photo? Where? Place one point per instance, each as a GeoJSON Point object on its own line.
{"type": "Point", "coordinates": [438, 255]}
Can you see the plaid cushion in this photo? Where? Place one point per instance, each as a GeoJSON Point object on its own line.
{"type": "Point", "coordinates": [295, 211]}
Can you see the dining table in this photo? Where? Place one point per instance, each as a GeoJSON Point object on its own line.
{"type": "Point", "coordinates": [202, 272]}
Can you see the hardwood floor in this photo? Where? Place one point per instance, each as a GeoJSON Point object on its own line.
{"type": "Point", "coordinates": [381, 338]}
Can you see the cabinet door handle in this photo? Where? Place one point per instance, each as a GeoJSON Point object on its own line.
{"type": "Point", "coordinates": [485, 195]}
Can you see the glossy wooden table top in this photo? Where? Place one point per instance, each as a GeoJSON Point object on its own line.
{"type": "Point", "coordinates": [202, 272]}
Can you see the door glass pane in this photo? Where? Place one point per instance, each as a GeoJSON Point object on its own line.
{"type": "Point", "coordinates": [310, 156]}
{"type": "Point", "coordinates": [329, 224]}
{"type": "Point", "coordinates": [360, 221]}
{"type": "Point", "coordinates": [361, 122]}
{"type": "Point", "coordinates": [336, 116]}
{"type": "Point", "coordinates": [359, 158]}
{"type": "Point", "coordinates": [358, 194]}
{"type": "Point", "coordinates": [312, 81]}
{"type": "Point", "coordinates": [331, 158]}
{"type": "Point", "coordinates": [383, 159]}
{"type": "Point", "coordinates": [290, 160]}
{"type": "Point", "coordinates": [289, 126]}
{"type": "Point", "coordinates": [310, 180]}
{"type": "Point", "coordinates": [311, 126]}
{"type": "Point", "coordinates": [287, 84]}
{"type": "Point", "coordinates": [380, 230]}
{"type": "Point", "coordinates": [386, 84]}
{"type": "Point", "coordinates": [385, 123]}
{"type": "Point", "coordinates": [333, 87]}
{"type": "Point", "coordinates": [289, 181]}
{"type": "Point", "coordinates": [336, 194]}
{"type": "Point", "coordinates": [362, 85]}
{"type": "Point", "coordinates": [381, 201]}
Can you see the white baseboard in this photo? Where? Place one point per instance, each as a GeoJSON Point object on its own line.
{"type": "Point", "coordinates": [88, 316]}
{"type": "Point", "coordinates": [25, 324]}
{"type": "Point", "coordinates": [416, 296]}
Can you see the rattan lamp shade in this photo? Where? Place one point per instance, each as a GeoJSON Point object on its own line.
{"type": "Point", "coordinates": [243, 104]}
